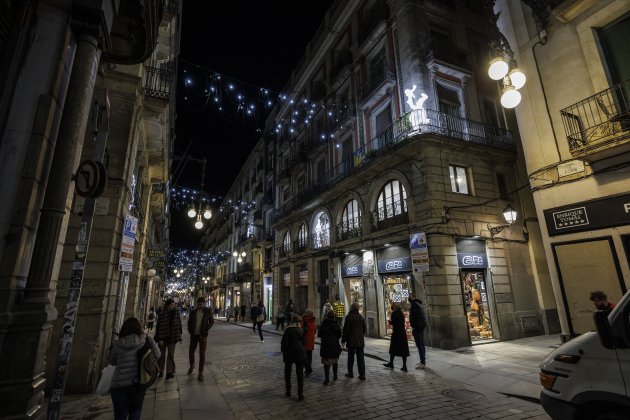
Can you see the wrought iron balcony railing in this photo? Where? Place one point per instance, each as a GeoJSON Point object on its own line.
{"type": "Point", "coordinates": [300, 245]}
{"type": "Point", "coordinates": [598, 120]}
{"type": "Point", "coordinates": [320, 239]}
{"type": "Point", "coordinates": [448, 54]}
{"type": "Point", "coordinates": [349, 229]}
{"type": "Point", "coordinates": [390, 215]}
{"type": "Point", "coordinates": [380, 76]}
{"type": "Point", "coordinates": [158, 81]}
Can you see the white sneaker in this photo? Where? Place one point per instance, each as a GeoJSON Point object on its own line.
{"type": "Point", "coordinates": [420, 366]}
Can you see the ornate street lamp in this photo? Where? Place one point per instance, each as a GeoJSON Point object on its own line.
{"type": "Point", "coordinates": [509, 214]}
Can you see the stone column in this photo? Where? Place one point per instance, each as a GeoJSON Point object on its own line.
{"type": "Point", "coordinates": [28, 335]}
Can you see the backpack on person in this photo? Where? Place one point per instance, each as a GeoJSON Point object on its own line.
{"type": "Point", "coordinates": [148, 368]}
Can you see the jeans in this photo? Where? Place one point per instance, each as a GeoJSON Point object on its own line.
{"type": "Point", "coordinates": [203, 344]}
{"type": "Point", "coordinates": [260, 330]}
{"type": "Point", "coordinates": [418, 337]}
{"type": "Point", "coordinates": [170, 361]}
{"type": "Point", "coordinates": [299, 372]}
{"type": "Point", "coordinates": [127, 402]}
{"type": "Point", "coordinates": [360, 359]}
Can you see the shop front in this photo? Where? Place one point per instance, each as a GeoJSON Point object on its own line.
{"type": "Point", "coordinates": [285, 291]}
{"type": "Point", "coordinates": [268, 297]}
{"type": "Point", "coordinates": [473, 263]}
{"type": "Point", "coordinates": [352, 276]}
{"type": "Point", "coordinates": [395, 270]}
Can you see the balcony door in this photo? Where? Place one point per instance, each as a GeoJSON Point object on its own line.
{"type": "Point", "coordinates": [616, 50]}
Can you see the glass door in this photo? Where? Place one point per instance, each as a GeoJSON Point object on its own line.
{"type": "Point", "coordinates": [476, 305]}
{"type": "Point", "coordinates": [396, 289]}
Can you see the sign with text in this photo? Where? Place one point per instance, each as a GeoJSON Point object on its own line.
{"type": "Point", "coordinates": [394, 265]}
{"type": "Point", "coordinates": [287, 279]}
{"type": "Point", "coordinates": [471, 253]}
{"type": "Point", "coordinates": [125, 260]}
{"type": "Point", "coordinates": [352, 266]}
{"type": "Point", "coordinates": [303, 277]}
{"type": "Point", "coordinates": [419, 252]}
{"type": "Point", "coordinates": [588, 215]}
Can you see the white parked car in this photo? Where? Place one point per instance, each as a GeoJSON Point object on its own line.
{"type": "Point", "coordinates": [588, 377]}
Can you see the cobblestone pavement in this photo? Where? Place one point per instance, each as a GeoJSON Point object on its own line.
{"type": "Point", "coordinates": [244, 380]}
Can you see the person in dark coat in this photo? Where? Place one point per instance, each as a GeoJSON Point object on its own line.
{"type": "Point", "coordinates": [310, 327]}
{"type": "Point", "coordinates": [292, 347]}
{"type": "Point", "coordinates": [167, 333]}
{"type": "Point", "coordinates": [398, 346]}
{"type": "Point", "coordinates": [199, 323]}
{"type": "Point", "coordinates": [330, 333]}
{"type": "Point", "coordinates": [418, 321]}
{"type": "Point", "coordinates": [261, 317]}
{"type": "Point", "coordinates": [354, 330]}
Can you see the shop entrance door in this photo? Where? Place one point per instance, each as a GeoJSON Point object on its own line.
{"type": "Point", "coordinates": [476, 305]}
{"type": "Point", "coordinates": [396, 289]}
{"type": "Point", "coordinates": [354, 291]}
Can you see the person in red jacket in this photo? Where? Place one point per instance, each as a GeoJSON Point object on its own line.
{"type": "Point", "coordinates": [310, 327]}
{"type": "Point", "coordinates": [600, 300]}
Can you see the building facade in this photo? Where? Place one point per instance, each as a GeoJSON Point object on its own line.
{"type": "Point", "coordinates": [88, 95]}
{"type": "Point", "coordinates": [389, 171]}
{"type": "Point", "coordinates": [574, 127]}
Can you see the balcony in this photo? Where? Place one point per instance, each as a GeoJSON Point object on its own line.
{"type": "Point", "coordinates": [448, 59]}
{"type": "Point", "coordinates": [341, 68]}
{"type": "Point", "coordinates": [158, 82]}
{"type": "Point", "coordinates": [348, 230]}
{"type": "Point", "coordinates": [300, 246]}
{"type": "Point", "coordinates": [344, 115]}
{"type": "Point", "coordinates": [283, 250]}
{"type": "Point", "coordinates": [320, 240]}
{"type": "Point", "coordinates": [245, 268]}
{"type": "Point", "coordinates": [382, 78]}
{"type": "Point", "coordinates": [390, 216]}
{"type": "Point", "coordinates": [598, 127]}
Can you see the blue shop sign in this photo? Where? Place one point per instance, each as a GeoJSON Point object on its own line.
{"type": "Point", "coordinates": [394, 265]}
{"type": "Point", "coordinates": [352, 270]}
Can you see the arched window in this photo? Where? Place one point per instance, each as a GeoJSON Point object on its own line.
{"type": "Point", "coordinates": [392, 200]}
{"type": "Point", "coordinates": [321, 231]}
{"type": "Point", "coordinates": [302, 238]}
{"type": "Point", "coordinates": [286, 243]}
{"type": "Point", "coordinates": [351, 220]}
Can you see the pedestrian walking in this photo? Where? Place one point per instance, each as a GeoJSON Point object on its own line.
{"type": "Point", "coordinates": [325, 309]}
{"type": "Point", "coordinates": [261, 317]}
{"type": "Point", "coordinates": [167, 333]}
{"type": "Point", "coordinates": [243, 312]}
{"type": "Point", "coordinates": [289, 310]}
{"type": "Point", "coordinates": [252, 314]}
{"type": "Point", "coordinates": [418, 321]}
{"type": "Point", "coordinates": [200, 321]}
{"type": "Point", "coordinates": [310, 326]}
{"type": "Point", "coordinates": [398, 345]}
{"type": "Point", "coordinates": [236, 313]}
{"type": "Point", "coordinates": [127, 395]}
{"type": "Point", "coordinates": [280, 317]}
{"type": "Point", "coordinates": [292, 347]}
{"type": "Point", "coordinates": [340, 309]}
{"type": "Point", "coordinates": [228, 313]}
{"type": "Point", "coordinates": [150, 320]}
{"type": "Point", "coordinates": [354, 330]}
{"type": "Point", "coordinates": [329, 333]}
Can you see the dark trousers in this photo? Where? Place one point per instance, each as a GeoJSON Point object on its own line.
{"type": "Point", "coordinates": [170, 360]}
{"type": "Point", "coordinates": [279, 321]}
{"type": "Point", "coordinates": [254, 323]}
{"type": "Point", "coordinates": [127, 402]}
{"type": "Point", "coordinates": [309, 361]}
{"type": "Point", "coordinates": [299, 372]}
{"type": "Point", "coordinates": [327, 371]}
{"type": "Point", "coordinates": [203, 344]}
{"type": "Point", "coordinates": [260, 329]}
{"type": "Point", "coordinates": [418, 337]}
{"type": "Point", "coordinates": [360, 359]}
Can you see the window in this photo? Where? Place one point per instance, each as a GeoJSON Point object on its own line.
{"type": "Point", "coordinates": [286, 242]}
{"type": "Point", "coordinates": [285, 194]}
{"type": "Point", "coordinates": [351, 217]}
{"type": "Point", "coordinates": [459, 179]}
{"type": "Point", "coordinates": [302, 236]}
{"type": "Point", "coordinates": [502, 184]}
{"type": "Point", "coordinates": [321, 231]}
{"type": "Point", "coordinates": [449, 101]}
{"type": "Point", "coordinates": [321, 171]}
{"type": "Point", "coordinates": [392, 200]}
{"type": "Point", "coordinates": [383, 120]}
{"type": "Point", "coordinates": [491, 112]}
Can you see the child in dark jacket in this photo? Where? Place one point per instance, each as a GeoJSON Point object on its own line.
{"type": "Point", "coordinates": [292, 347]}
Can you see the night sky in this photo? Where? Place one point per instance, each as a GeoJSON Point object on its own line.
{"type": "Point", "coordinates": [253, 45]}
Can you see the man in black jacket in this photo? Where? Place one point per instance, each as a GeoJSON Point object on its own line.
{"type": "Point", "coordinates": [200, 321]}
{"type": "Point", "coordinates": [418, 321]}
{"type": "Point", "coordinates": [354, 330]}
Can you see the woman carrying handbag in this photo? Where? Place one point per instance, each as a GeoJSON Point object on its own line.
{"type": "Point", "coordinates": [330, 349]}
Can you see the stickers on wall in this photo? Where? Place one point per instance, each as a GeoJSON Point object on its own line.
{"type": "Point", "coordinates": [405, 293]}
{"type": "Point", "coordinates": [398, 288]}
{"type": "Point", "coordinates": [396, 297]}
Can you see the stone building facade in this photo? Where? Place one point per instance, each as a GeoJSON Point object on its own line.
{"type": "Point", "coordinates": [574, 126]}
{"type": "Point", "coordinates": [86, 82]}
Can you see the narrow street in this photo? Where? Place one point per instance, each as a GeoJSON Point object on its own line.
{"type": "Point", "coordinates": [244, 380]}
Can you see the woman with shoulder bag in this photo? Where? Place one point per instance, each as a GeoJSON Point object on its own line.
{"type": "Point", "coordinates": [292, 347]}
{"type": "Point", "coordinates": [330, 349]}
{"type": "Point", "coordinates": [127, 394]}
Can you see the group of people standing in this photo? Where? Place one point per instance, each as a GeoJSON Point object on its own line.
{"type": "Point", "coordinates": [335, 331]}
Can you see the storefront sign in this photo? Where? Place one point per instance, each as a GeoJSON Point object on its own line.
{"type": "Point", "coordinates": [125, 260]}
{"type": "Point", "coordinates": [303, 276]}
{"type": "Point", "coordinates": [419, 252]}
{"type": "Point", "coordinates": [352, 266]}
{"type": "Point", "coordinates": [589, 215]}
{"type": "Point", "coordinates": [394, 265]}
{"type": "Point", "coordinates": [471, 253]}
